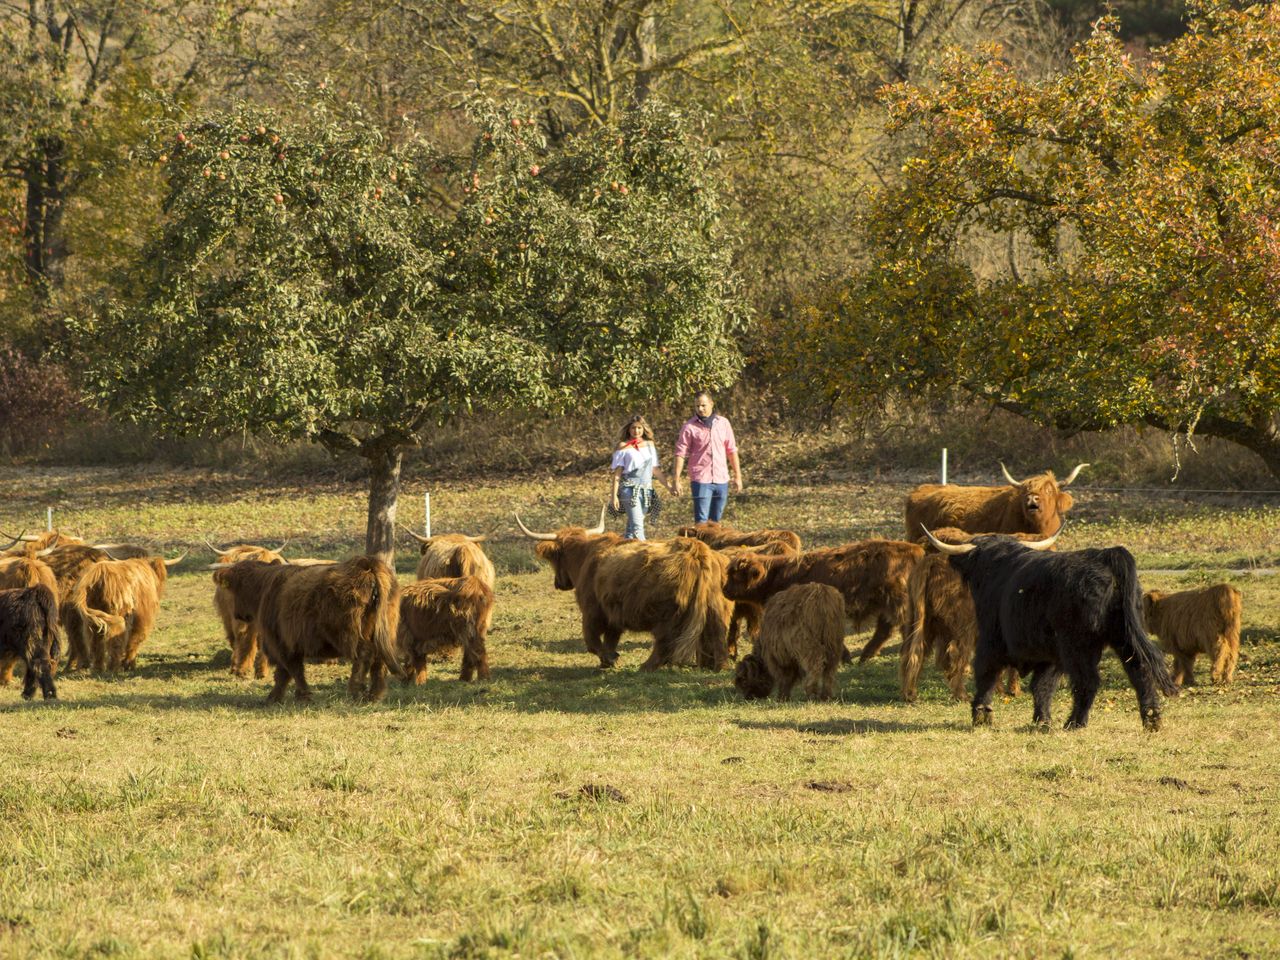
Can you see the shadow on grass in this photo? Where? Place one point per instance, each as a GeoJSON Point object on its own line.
{"type": "Point", "coordinates": [845, 726]}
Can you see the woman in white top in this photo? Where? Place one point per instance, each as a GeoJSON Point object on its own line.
{"type": "Point", "coordinates": [635, 461]}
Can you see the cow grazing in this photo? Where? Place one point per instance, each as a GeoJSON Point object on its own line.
{"type": "Point", "coordinates": [671, 588]}
{"type": "Point", "coordinates": [349, 609]}
{"type": "Point", "coordinates": [802, 636]}
{"type": "Point", "coordinates": [1036, 505]}
{"type": "Point", "coordinates": [18, 573]}
{"type": "Point", "coordinates": [241, 636]}
{"type": "Point", "coordinates": [1052, 614]}
{"type": "Point", "coordinates": [439, 615]}
{"type": "Point", "coordinates": [1197, 621]}
{"type": "Point", "coordinates": [719, 535]}
{"type": "Point", "coordinates": [452, 555]}
{"type": "Point", "coordinates": [28, 631]}
{"type": "Point", "coordinates": [68, 562]}
{"type": "Point", "coordinates": [115, 603]}
{"type": "Point", "coordinates": [871, 575]}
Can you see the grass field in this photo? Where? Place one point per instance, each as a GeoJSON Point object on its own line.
{"type": "Point", "coordinates": [561, 811]}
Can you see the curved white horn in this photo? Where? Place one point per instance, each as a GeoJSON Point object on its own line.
{"type": "Point", "coordinates": [53, 545]}
{"type": "Point", "coordinates": [1044, 544]}
{"type": "Point", "coordinates": [287, 541]}
{"type": "Point", "coordinates": [417, 536]}
{"type": "Point", "coordinates": [530, 534]}
{"type": "Point", "coordinates": [952, 549]}
{"type": "Point", "coordinates": [177, 560]}
{"type": "Point", "coordinates": [599, 527]}
{"type": "Point", "coordinates": [221, 553]}
{"type": "Point", "coordinates": [107, 547]}
{"type": "Point", "coordinates": [108, 552]}
{"type": "Point", "coordinates": [479, 539]}
{"type": "Point", "coordinates": [21, 536]}
{"type": "Point", "coordinates": [1007, 475]}
{"type": "Point", "coordinates": [1073, 474]}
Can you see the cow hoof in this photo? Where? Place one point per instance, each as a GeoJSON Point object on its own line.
{"type": "Point", "coordinates": [982, 717]}
{"type": "Point", "coordinates": [1073, 725]}
{"type": "Point", "coordinates": [1151, 722]}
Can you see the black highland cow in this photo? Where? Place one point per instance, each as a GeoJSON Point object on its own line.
{"type": "Point", "coordinates": [28, 631]}
{"type": "Point", "coordinates": [1054, 613]}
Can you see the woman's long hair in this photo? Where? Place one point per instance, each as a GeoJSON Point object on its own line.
{"type": "Point", "coordinates": [646, 430]}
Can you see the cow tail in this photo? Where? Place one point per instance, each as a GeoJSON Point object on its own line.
{"type": "Point", "coordinates": [913, 647]}
{"type": "Point", "coordinates": [385, 606]}
{"type": "Point", "coordinates": [688, 635]}
{"type": "Point", "coordinates": [1136, 642]}
{"type": "Point", "coordinates": [48, 604]}
{"type": "Point", "coordinates": [1229, 610]}
{"type": "Point", "coordinates": [100, 620]}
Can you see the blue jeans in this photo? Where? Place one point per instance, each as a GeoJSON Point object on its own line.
{"type": "Point", "coordinates": [634, 512]}
{"type": "Point", "coordinates": [708, 500]}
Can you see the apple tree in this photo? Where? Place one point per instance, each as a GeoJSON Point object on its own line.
{"type": "Point", "coordinates": [318, 279]}
{"type": "Point", "coordinates": [1092, 249]}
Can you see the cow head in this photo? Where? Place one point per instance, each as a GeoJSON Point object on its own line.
{"type": "Point", "coordinates": [243, 580]}
{"type": "Point", "coordinates": [246, 551]}
{"type": "Point", "coordinates": [744, 575]}
{"type": "Point", "coordinates": [564, 548]}
{"type": "Point", "coordinates": [1041, 499]}
{"type": "Point", "coordinates": [424, 543]}
{"type": "Point", "coordinates": [752, 678]}
{"type": "Point", "coordinates": [1150, 600]}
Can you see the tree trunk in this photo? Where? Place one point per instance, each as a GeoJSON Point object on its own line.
{"type": "Point", "coordinates": [1261, 434]}
{"type": "Point", "coordinates": [45, 252]}
{"type": "Point", "coordinates": [384, 489]}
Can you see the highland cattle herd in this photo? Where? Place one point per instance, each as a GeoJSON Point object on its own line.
{"type": "Point", "coordinates": [977, 583]}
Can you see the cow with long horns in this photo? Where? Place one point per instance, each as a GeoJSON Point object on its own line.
{"type": "Point", "coordinates": [672, 589]}
{"type": "Point", "coordinates": [1036, 505]}
{"type": "Point", "coordinates": [452, 555]}
{"type": "Point", "coordinates": [68, 563]}
{"type": "Point", "coordinates": [115, 603]}
{"type": "Point", "coordinates": [1054, 613]}
{"type": "Point", "coordinates": [320, 610]}
{"type": "Point", "coordinates": [241, 637]}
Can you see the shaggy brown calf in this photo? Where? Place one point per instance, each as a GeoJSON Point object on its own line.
{"type": "Point", "coordinates": [439, 615]}
{"type": "Point", "coordinates": [1035, 505]}
{"type": "Point", "coordinates": [719, 535]}
{"type": "Point", "coordinates": [28, 631]}
{"type": "Point", "coordinates": [802, 636]}
{"type": "Point", "coordinates": [18, 573]}
{"type": "Point", "coordinates": [349, 609]}
{"type": "Point", "coordinates": [1197, 621]}
{"type": "Point", "coordinates": [241, 636]}
{"type": "Point", "coordinates": [871, 575]}
{"type": "Point", "coordinates": [115, 604]}
{"type": "Point", "coordinates": [671, 588]}
{"type": "Point", "coordinates": [452, 555]}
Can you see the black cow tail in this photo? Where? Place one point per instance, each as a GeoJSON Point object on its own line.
{"type": "Point", "coordinates": [1136, 642]}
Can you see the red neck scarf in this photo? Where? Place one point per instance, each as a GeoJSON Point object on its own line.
{"type": "Point", "coordinates": [637, 442]}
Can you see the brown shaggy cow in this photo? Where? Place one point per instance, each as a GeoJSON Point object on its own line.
{"type": "Point", "coordinates": [68, 562]}
{"type": "Point", "coordinates": [439, 615]}
{"type": "Point", "coordinates": [349, 609]}
{"type": "Point", "coordinates": [241, 636]}
{"type": "Point", "coordinates": [1197, 621]}
{"type": "Point", "coordinates": [452, 555]}
{"type": "Point", "coordinates": [672, 588]}
{"type": "Point", "coordinates": [746, 613]}
{"type": "Point", "coordinates": [18, 573]}
{"type": "Point", "coordinates": [1035, 505]}
{"type": "Point", "coordinates": [28, 631]}
{"type": "Point", "coordinates": [802, 636]}
{"type": "Point", "coordinates": [115, 604]}
{"type": "Point", "coordinates": [719, 535]}
{"type": "Point", "coordinates": [870, 574]}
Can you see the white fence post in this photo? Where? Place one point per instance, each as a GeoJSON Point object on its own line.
{"type": "Point", "coordinates": [48, 518]}
{"type": "Point", "coordinates": [426, 509]}
{"type": "Point", "coordinates": [944, 466]}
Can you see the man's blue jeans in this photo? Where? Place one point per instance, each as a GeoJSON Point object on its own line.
{"type": "Point", "coordinates": [708, 500]}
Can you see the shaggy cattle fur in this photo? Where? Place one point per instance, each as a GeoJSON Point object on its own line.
{"type": "Point", "coordinates": [802, 637]}
{"type": "Point", "coordinates": [719, 535]}
{"type": "Point", "coordinates": [453, 555]}
{"type": "Point", "coordinates": [439, 615]}
{"type": "Point", "coordinates": [349, 610]}
{"type": "Point", "coordinates": [68, 562]}
{"type": "Point", "coordinates": [1052, 614]}
{"type": "Point", "coordinates": [18, 573]}
{"type": "Point", "coordinates": [871, 575]}
{"type": "Point", "coordinates": [115, 604]}
{"type": "Point", "coordinates": [671, 588]}
{"type": "Point", "coordinates": [1036, 505]}
{"type": "Point", "coordinates": [747, 614]}
{"type": "Point", "coordinates": [1197, 621]}
{"type": "Point", "coordinates": [28, 631]}
{"type": "Point", "coordinates": [241, 637]}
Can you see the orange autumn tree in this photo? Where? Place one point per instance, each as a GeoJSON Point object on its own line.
{"type": "Point", "coordinates": [1094, 249]}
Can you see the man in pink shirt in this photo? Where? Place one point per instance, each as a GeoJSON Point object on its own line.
{"type": "Point", "coordinates": [707, 444]}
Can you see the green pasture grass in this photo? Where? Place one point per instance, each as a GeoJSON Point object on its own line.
{"type": "Point", "coordinates": [558, 810]}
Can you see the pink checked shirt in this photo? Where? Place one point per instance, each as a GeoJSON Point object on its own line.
{"type": "Point", "coordinates": [706, 449]}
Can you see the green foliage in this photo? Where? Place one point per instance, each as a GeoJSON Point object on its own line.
{"type": "Point", "coordinates": [319, 279]}
{"type": "Point", "coordinates": [1095, 249]}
